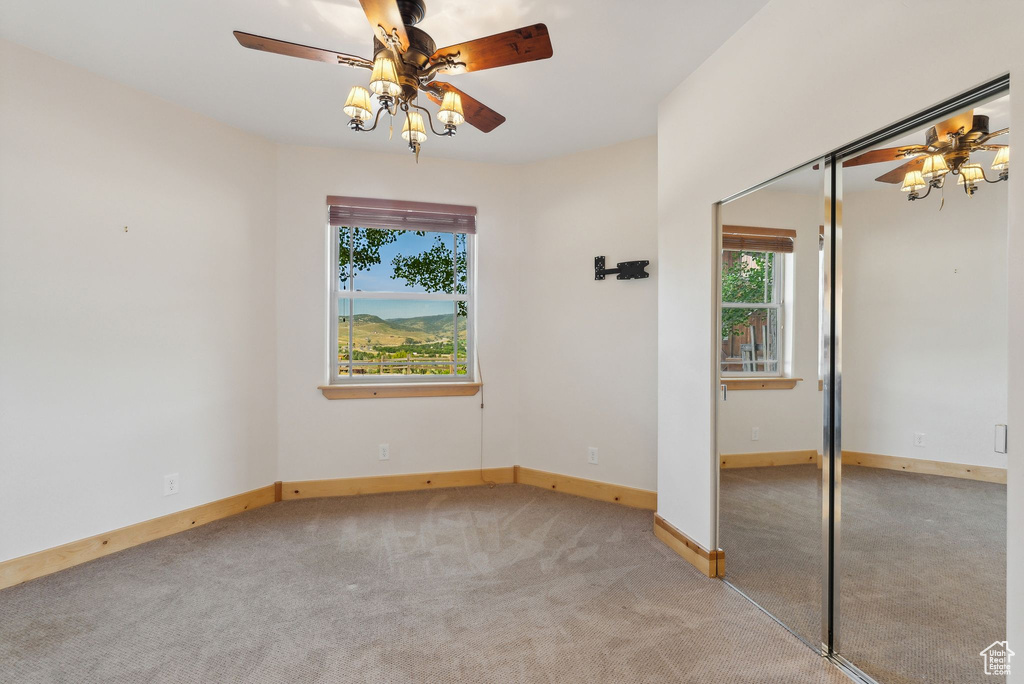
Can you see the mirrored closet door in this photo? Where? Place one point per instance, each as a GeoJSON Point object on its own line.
{"type": "Point", "coordinates": [862, 396]}
{"type": "Point", "coordinates": [770, 416]}
{"type": "Point", "coordinates": [922, 559]}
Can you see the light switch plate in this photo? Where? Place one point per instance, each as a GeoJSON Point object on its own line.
{"type": "Point", "coordinates": [1000, 439]}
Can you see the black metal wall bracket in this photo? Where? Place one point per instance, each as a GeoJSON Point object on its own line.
{"type": "Point", "coordinates": [626, 270]}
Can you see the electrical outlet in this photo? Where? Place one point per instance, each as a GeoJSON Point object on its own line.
{"type": "Point", "coordinates": [170, 484]}
{"type": "Point", "coordinates": [919, 439]}
{"type": "Point", "coordinates": [383, 452]}
{"type": "Point", "coordinates": [592, 455]}
{"type": "Point", "coordinates": [755, 434]}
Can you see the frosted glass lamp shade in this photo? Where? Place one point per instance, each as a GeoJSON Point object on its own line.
{"type": "Point", "coordinates": [913, 182]}
{"type": "Point", "coordinates": [934, 167]}
{"type": "Point", "coordinates": [1002, 160]}
{"type": "Point", "coordinates": [414, 130]}
{"type": "Point", "coordinates": [358, 105]}
{"type": "Point", "coordinates": [451, 113]}
{"type": "Point", "coordinates": [970, 174]}
{"type": "Point", "coordinates": [384, 79]}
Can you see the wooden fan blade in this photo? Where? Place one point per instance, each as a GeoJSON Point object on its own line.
{"type": "Point", "coordinates": [282, 47]}
{"type": "Point", "coordinates": [525, 44]}
{"type": "Point", "coordinates": [885, 155]}
{"type": "Point", "coordinates": [897, 174]}
{"type": "Point", "coordinates": [994, 134]}
{"type": "Point", "coordinates": [477, 114]}
{"type": "Point", "coordinates": [386, 22]}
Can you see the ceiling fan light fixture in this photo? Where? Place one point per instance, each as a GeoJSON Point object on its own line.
{"type": "Point", "coordinates": [451, 113]}
{"type": "Point", "coordinates": [359, 104]}
{"type": "Point", "coordinates": [1002, 160]}
{"type": "Point", "coordinates": [414, 131]}
{"type": "Point", "coordinates": [384, 78]}
{"type": "Point", "coordinates": [934, 168]}
{"type": "Point", "coordinates": [913, 182]}
{"type": "Point", "coordinates": [970, 174]}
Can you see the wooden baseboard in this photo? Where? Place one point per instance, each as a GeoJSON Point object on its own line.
{"type": "Point", "coordinates": [590, 489]}
{"type": "Point", "coordinates": [18, 570]}
{"type": "Point", "coordinates": [867, 460]}
{"type": "Point", "coordinates": [711, 563]}
{"type": "Point", "coordinates": [351, 486]}
{"type": "Point", "coordinates": [768, 458]}
{"type": "Point", "coordinates": [919, 465]}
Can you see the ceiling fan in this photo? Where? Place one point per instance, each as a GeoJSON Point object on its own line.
{"type": "Point", "coordinates": [406, 62]}
{"type": "Point", "coordinates": [947, 149]}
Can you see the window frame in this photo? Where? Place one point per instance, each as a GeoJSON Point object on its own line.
{"type": "Point", "coordinates": [335, 293]}
{"type": "Point", "coordinates": [779, 269]}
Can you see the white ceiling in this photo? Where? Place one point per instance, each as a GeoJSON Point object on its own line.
{"type": "Point", "coordinates": [613, 62]}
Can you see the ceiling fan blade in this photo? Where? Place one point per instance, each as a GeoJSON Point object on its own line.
{"type": "Point", "coordinates": [477, 114]}
{"type": "Point", "coordinates": [884, 155]}
{"type": "Point", "coordinates": [897, 174]}
{"type": "Point", "coordinates": [994, 134]}
{"type": "Point", "coordinates": [282, 47]}
{"type": "Point", "coordinates": [525, 44]}
{"type": "Point", "coordinates": [386, 21]}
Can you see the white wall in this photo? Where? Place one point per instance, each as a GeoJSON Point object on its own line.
{"type": "Point", "coordinates": [539, 227]}
{"type": "Point", "coordinates": [588, 362]}
{"type": "Point", "coordinates": [323, 439]}
{"type": "Point", "coordinates": [924, 324]}
{"type": "Point", "coordinates": [194, 343]}
{"type": "Point", "coordinates": [787, 420]}
{"type": "Point", "coordinates": [125, 356]}
{"type": "Point", "coordinates": [925, 345]}
{"type": "Point", "coordinates": [801, 78]}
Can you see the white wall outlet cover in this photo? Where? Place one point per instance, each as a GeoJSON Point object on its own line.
{"type": "Point", "coordinates": [171, 483]}
{"type": "Point", "coordinates": [592, 455]}
{"type": "Point", "coordinates": [1000, 439]}
{"type": "Point", "coordinates": [383, 452]}
{"type": "Point", "coordinates": [919, 439]}
{"type": "Point", "coordinates": [755, 434]}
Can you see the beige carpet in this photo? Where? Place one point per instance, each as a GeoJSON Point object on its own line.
{"type": "Point", "coordinates": [923, 565]}
{"type": "Point", "coordinates": [513, 584]}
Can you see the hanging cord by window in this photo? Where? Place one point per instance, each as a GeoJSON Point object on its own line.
{"type": "Point", "coordinates": [491, 484]}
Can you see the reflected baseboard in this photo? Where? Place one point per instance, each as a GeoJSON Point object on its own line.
{"type": "Point", "coordinates": [867, 460]}
{"type": "Point", "coordinates": [768, 458]}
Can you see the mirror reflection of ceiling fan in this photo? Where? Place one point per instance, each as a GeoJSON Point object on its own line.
{"type": "Point", "coordinates": [406, 61]}
{"type": "Point", "coordinates": [947, 150]}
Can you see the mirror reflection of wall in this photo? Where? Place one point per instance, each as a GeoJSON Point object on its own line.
{"type": "Point", "coordinates": [923, 556]}
{"type": "Point", "coordinates": [918, 532]}
{"type": "Point", "coordinates": [769, 418]}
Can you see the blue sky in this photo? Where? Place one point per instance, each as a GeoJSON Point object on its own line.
{"type": "Point", "coordinates": [378, 278]}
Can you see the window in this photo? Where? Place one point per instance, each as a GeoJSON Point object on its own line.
{"type": "Point", "coordinates": [401, 291]}
{"type": "Point", "coordinates": [753, 268]}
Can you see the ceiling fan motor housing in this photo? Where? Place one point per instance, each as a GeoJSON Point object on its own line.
{"type": "Point", "coordinates": [412, 11]}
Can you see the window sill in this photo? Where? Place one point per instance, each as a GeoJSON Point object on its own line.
{"type": "Point", "coordinates": [734, 384]}
{"type": "Point", "coordinates": [389, 391]}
